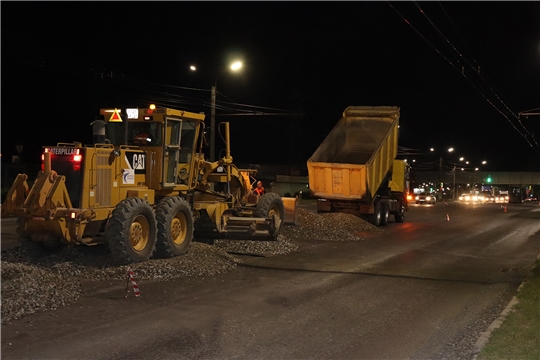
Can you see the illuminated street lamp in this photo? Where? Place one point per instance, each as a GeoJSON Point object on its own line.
{"type": "Point", "coordinates": [474, 186]}
{"type": "Point", "coordinates": [235, 67]}
{"type": "Point", "coordinates": [440, 170]}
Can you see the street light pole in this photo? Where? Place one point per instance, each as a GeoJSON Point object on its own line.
{"type": "Point", "coordinates": [454, 191]}
{"type": "Point", "coordinates": [235, 66]}
{"type": "Point", "coordinates": [439, 184]}
{"type": "Point", "coordinates": [213, 122]}
{"type": "Point", "coordinates": [474, 184]}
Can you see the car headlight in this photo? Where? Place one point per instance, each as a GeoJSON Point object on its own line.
{"type": "Point", "coordinates": [428, 198]}
{"type": "Point", "coordinates": [418, 198]}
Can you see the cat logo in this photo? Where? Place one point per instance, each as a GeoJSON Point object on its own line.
{"type": "Point", "coordinates": [136, 161]}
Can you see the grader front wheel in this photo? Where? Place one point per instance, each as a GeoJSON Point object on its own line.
{"type": "Point", "coordinates": [175, 227]}
{"type": "Point", "coordinates": [271, 206]}
{"type": "Point", "coordinates": [131, 231]}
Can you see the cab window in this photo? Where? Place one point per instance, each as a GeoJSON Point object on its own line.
{"type": "Point", "coordinates": [144, 134]}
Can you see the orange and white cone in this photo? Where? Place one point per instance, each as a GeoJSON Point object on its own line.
{"type": "Point", "coordinates": [447, 217]}
{"type": "Point", "coordinates": [504, 208]}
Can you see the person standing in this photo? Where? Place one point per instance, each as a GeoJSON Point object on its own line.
{"type": "Point", "coordinates": [259, 189]}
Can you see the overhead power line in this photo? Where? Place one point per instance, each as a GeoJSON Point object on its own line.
{"type": "Point", "coordinates": [524, 134]}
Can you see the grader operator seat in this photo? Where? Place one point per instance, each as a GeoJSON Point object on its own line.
{"type": "Point", "coordinates": [148, 134]}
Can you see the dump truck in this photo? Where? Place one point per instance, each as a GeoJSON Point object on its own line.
{"type": "Point", "coordinates": [143, 187]}
{"type": "Point", "coordinates": [354, 170]}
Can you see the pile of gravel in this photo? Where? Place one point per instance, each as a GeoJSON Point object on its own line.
{"type": "Point", "coordinates": [35, 280]}
{"type": "Point", "coordinates": [329, 227]}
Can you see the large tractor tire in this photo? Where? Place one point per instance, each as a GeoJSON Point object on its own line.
{"type": "Point", "coordinates": [375, 218]}
{"type": "Point", "coordinates": [175, 227]}
{"type": "Point", "coordinates": [271, 205]}
{"type": "Point", "coordinates": [385, 213]}
{"type": "Point", "coordinates": [131, 231]}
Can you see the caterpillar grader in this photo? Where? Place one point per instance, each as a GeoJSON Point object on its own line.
{"type": "Point", "coordinates": [144, 188]}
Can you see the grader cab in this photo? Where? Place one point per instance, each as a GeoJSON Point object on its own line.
{"type": "Point", "coordinates": [146, 190]}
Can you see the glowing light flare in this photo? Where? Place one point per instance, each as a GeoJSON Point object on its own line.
{"type": "Point", "coordinates": [237, 65]}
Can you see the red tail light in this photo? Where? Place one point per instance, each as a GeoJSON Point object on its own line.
{"type": "Point", "coordinates": [43, 161]}
{"type": "Point", "coordinates": [77, 162]}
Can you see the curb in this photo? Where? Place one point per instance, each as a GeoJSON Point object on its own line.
{"type": "Point", "coordinates": [484, 337]}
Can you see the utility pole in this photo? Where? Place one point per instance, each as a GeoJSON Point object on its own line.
{"type": "Point", "coordinates": [454, 191]}
{"type": "Point", "coordinates": [439, 184]}
{"type": "Point", "coordinates": [213, 123]}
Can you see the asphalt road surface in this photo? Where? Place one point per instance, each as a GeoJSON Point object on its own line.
{"type": "Point", "coordinates": [425, 289]}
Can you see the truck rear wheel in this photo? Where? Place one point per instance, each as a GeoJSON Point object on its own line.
{"type": "Point", "coordinates": [131, 231]}
{"type": "Point", "coordinates": [385, 213]}
{"type": "Point", "coordinates": [400, 215]}
{"type": "Point", "coordinates": [174, 227]}
{"type": "Point", "coordinates": [375, 218]}
{"type": "Point", "coordinates": [271, 205]}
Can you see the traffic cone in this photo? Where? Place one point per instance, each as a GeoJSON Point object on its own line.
{"type": "Point", "coordinates": [504, 208]}
{"type": "Point", "coordinates": [447, 217]}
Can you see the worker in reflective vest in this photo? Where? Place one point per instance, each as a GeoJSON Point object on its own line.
{"type": "Point", "coordinates": [259, 190]}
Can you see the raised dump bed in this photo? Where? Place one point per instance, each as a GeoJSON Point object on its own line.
{"type": "Point", "coordinates": [356, 156]}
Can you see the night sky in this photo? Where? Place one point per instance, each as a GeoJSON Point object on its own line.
{"type": "Point", "coordinates": [461, 72]}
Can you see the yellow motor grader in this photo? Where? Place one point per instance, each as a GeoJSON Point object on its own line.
{"type": "Point", "coordinates": [144, 189]}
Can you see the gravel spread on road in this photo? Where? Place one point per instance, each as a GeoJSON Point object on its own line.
{"type": "Point", "coordinates": [35, 279]}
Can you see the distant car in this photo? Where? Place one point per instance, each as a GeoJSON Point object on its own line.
{"type": "Point", "coordinates": [501, 198]}
{"type": "Point", "coordinates": [488, 198]}
{"type": "Point", "coordinates": [425, 198]}
{"type": "Point", "coordinates": [470, 198]}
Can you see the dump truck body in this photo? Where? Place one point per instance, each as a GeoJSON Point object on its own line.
{"type": "Point", "coordinates": [354, 169]}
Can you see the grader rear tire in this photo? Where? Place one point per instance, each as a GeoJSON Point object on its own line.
{"type": "Point", "coordinates": [131, 231]}
{"type": "Point", "coordinates": [271, 205]}
{"type": "Point", "coordinates": [175, 227]}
